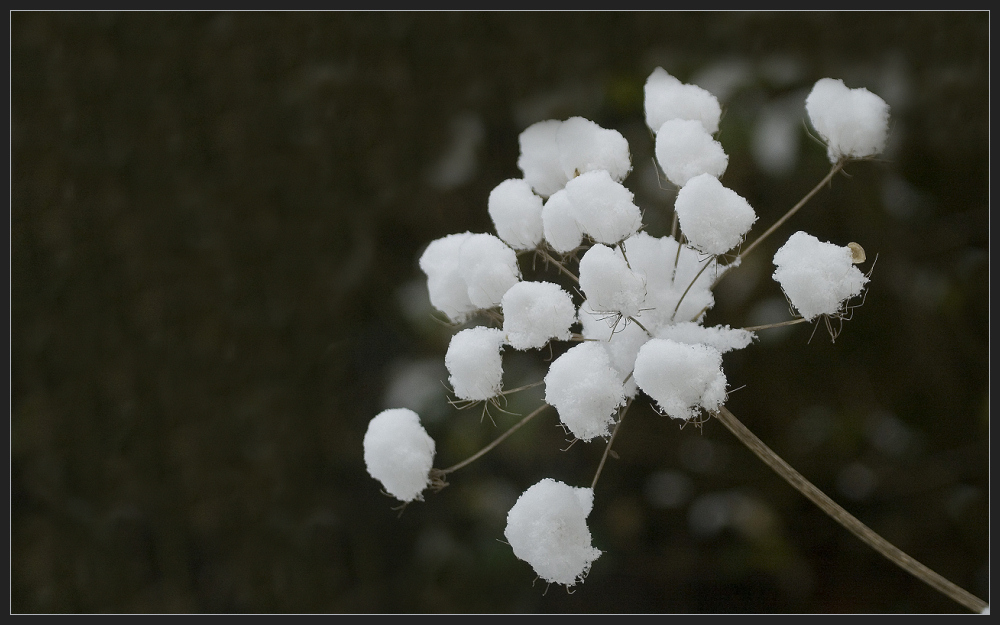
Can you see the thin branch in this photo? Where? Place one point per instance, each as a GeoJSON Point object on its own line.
{"type": "Point", "coordinates": [495, 442]}
{"type": "Point", "coordinates": [833, 171]}
{"type": "Point", "coordinates": [607, 449]}
{"type": "Point", "coordinates": [695, 279]}
{"type": "Point", "coordinates": [843, 517]}
{"type": "Point", "coordinates": [775, 325]}
{"type": "Point", "coordinates": [555, 262]}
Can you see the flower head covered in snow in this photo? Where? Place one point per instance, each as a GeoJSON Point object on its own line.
{"type": "Point", "coordinates": [633, 320]}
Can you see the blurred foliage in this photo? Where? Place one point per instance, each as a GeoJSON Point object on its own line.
{"type": "Point", "coordinates": [215, 221]}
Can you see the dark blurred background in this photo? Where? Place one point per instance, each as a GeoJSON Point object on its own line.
{"type": "Point", "coordinates": [215, 226]}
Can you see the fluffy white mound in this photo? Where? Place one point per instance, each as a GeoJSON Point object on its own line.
{"type": "Point", "coordinates": [603, 207]}
{"type": "Point", "coordinates": [399, 453]}
{"type": "Point", "coordinates": [559, 224]}
{"type": "Point", "coordinates": [610, 285]}
{"type": "Point", "coordinates": [584, 146]}
{"type": "Point", "coordinates": [488, 267]}
{"type": "Point", "coordinates": [547, 528]}
{"type": "Point", "coordinates": [585, 390]}
{"type": "Point", "coordinates": [683, 379]}
{"type": "Point", "coordinates": [474, 363]}
{"type": "Point", "coordinates": [441, 262]}
{"type": "Point", "coordinates": [853, 122]}
{"type": "Point", "coordinates": [539, 157]}
{"type": "Point", "coordinates": [667, 275]}
{"type": "Point", "coordinates": [816, 277]}
{"type": "Point", "coordinates": [684, 149]}
{"type": "Point", "coordinates": [713, 217]}
{"type": "Point", "coordinates": [516, 213]}
{"type": "Point", "coordinates": [534, 312]}
{"type": "Point", "coordinates": [667, 98]}
{"type": "Point", "coordinates": [619, 337]}
{"type": "Point", "coordinates": [722, 338]}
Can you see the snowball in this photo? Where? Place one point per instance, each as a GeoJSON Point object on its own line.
{"type": "Point", "coordinates": [853, 122]}
{"type": "Point", "coordinates": [539, 157]}
{"type": "Point", "coordinates": [722, 338]}
{"type": "Point", "coordinates": [474, 363]}
{"type": "Point", "coordinates": [559, 224]}
{"type": "Point", "coordinates": [667, 276]}
{"type": "Point", "coordinates": [516, 213]}
{"type": "Point", "coordinates": [603, 207]}
{"type": "Point", "coordinates": [713, 218]}
{"type": "Point", "coordinates": [585, 390]}
{"type": "Point", "coordinates": [684, 149]}
{"type": "Point", "coordinates": [609, 284]}
{"type": "Point", "coordinates": [584, 146]}
{"type": "Point", "coordinates": [682, 379]}
{"type": "Point", "coordinates": [534, 312]}
{"type": "Point", "coordinates": [399, 453]}
{"type": "Point", "coordinates": [489, 268]}
{"type": "Point", "coordinates": [816, 277]}
{"type": "Point", "coordinates": [441, 261]}
{"type": "Point", "coordinates": [619, 337]}
{"type": "Point", "coordinates": [667, 98]}
{"type": "Point", "coordinates": [547, 528]}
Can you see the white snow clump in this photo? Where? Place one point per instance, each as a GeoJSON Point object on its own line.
{"type": "Point", "coordinates": [683, 379]}
{"type": "Point", "coordinates": [534, 312]}
{"type": "Point", "coordinates": [539, 157]}
{"type": "Point", "coordinates": [609, 283]}
{"type": "Point", "coordinates": [585, 390]}
{"type": "Point", "coordinates": [489, 268]}
{"type": "Point", "coordinates": [603, 207]}
{"type": "Point", "coordinates": [714, 218]}
{"type": "Point", "coordinates": [668, 98]}
{"type": "Point", "coordinates": [399, 453]}
{"type": "Point", "coordinates": [516, 213]}
{"type": "Point", "coordinates": [621, 339]}
{"type": "Point", "coordinates": [684, 149]}
{"type": "Point", "coordinates": [853, 122]}
{"type": "Point", "coordinates": [722, 338]}
{"type": "Point", "coordinates": [445, 284]}
{"type": "Point", "coordinates": [559, 224]}
{"type": "Point", "coordinates": [475, 364]}
{"type": "Point", "coordinates": [547, 528]}
{"type": "Point", "coordinates": [816, 277]}
{"type": "Point", "coordinates": [585, 146]}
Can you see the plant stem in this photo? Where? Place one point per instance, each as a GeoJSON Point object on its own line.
{"type": "Point", "coordinates": [607, 449]}
{"type": "Point", "coordinates": [495, 442]}
{"type": "Point", "coordinates": [775, 325]}
{"type": "Point", "coordinates": [842, 516]}
{"type": "Point", "coordinates": [698, 275]}
{"type": "Point", "coordinates": [555, 262]}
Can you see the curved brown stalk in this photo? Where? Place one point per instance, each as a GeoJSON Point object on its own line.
{"type": "Point", "coordinates": [845, 518]}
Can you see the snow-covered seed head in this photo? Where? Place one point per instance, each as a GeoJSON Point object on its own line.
{"type": "Point", "coordinates": [714, 218]}
{"type": "Point", "coordinates": [547, 528]}
{"type": "Point", "coordinates": [539, 157]}
{"type": "Point", "coordinates": [684, 149]}
{"type": "Point", "coordinates": [585, 390]}
{"type": "Point", "coordinates": [817, 277]}
{"type": "Point", "coordinates": [559, 224]}
{"type": "Point", "coordinates": [516, 213]}
{"type": "Point", "coordinates": [585, 146]}
{"type": "Point", "coordinates": [475, 364]}
{"type": "Point", "coordinates": [535, 312]}
{"type": "Point", "coordinates": [683, 379]}
{"type": "Point", "coordinates": [448, 292]}
{"type": "Point", "coordinates": [667, 98]}
{"type": "Point", "coordinates": [489, 268]}
{"type": "Point", "coordinates": [610, 285]}
{"type": "Point", "coordinates": [853, 122]}
{"type": "Point", "coordinates": [399, 453]}
{"type": "Point", "coordinates": [603, 207]}
{"type": "Point", "coordinates": [620, 337]}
